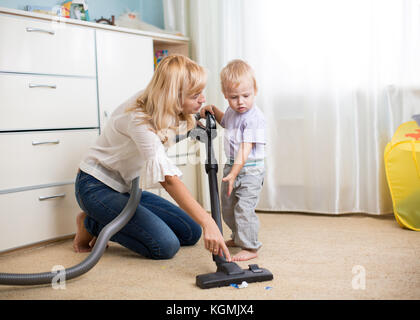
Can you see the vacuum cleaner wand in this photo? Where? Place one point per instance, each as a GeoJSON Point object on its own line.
{"type": "Point", "coordinates": [227, 272]}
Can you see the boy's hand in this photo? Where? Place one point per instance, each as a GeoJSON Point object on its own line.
{"type": "Point", "coordinates": [230, 179]}
{"type": "Point", "coordinates": [243, 152]}
{"type": "Point", "coordinates": [203, 110]}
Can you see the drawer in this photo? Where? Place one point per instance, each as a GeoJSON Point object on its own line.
{"type": "Point", "coordinates": [179, 152]}
{"type": "Point", "coordinates": [47, 102]}
{"type": "Point", "coordinates": [38, 158]}
{"type": "Point", "coordinates": [189, 176]}
{"type": "Point", "coordinates": [25, 219]}
{"type": "Point", "coordinates": [184, 152]}
{"type": "Point", "coordinates": [35, 46]}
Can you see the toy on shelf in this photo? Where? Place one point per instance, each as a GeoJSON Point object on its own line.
{"type": "Point", "coordinates": [75, 9]}
{"type": "Point", "coordinates": [52, 11]}
{"type": "Point", "coordinates": [103, 20]}
{"type": "Point", "coordinates": [159, 55]}
{"type": "Point", "coordinates": [132, 19]}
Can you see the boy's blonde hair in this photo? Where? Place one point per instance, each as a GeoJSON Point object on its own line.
{"type": "Point", "coordinates": [175, 78]}
{"type": "Point", "coordinates": [235, 72]}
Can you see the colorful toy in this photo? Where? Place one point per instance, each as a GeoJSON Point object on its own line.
{"type": "Point", "coordinates": [75, 9]}
{"type": "Point", "coordinates": [159, 55]}
{"type": "Point", "coordinates": [402, 166]}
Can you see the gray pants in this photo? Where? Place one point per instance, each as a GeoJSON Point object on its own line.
{"type": "Point", "coordinates": [239, 209]}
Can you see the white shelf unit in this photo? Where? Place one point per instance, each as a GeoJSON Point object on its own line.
{"type": "Point", "coordinates": [59, 78]}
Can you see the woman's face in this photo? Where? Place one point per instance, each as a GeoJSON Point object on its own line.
{"type": "Point", "coordinates": [192, 104]}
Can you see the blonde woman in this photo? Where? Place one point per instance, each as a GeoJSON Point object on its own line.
{"type": "Point", "coordinates": [134, 143]}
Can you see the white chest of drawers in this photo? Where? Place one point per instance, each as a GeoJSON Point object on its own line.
{"type": "Point", "coordinates": [48, 119]}
{"type": "Point", "coordinates": [59, 79]}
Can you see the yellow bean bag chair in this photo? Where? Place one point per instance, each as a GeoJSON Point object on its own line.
{"type": "Point", "coordinates": [402, 166]}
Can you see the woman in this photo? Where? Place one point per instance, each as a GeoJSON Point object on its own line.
{"type": "Point", "coordinates": [133, 144]}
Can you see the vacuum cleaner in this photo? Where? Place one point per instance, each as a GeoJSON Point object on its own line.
{"type": "Point", "coordinates": [227, 273]}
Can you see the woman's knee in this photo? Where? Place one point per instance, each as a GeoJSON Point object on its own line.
{"type": "Point", "coordinates": [195, 235]}
{"type": "Point", "coordinates": [167, 249]}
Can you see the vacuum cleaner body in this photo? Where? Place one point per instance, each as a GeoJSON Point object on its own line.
{"type": "Point", "coordinates": [227, 272]}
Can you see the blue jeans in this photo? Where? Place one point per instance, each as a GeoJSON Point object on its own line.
{"type": "Point", "coordinates": [157, 229]}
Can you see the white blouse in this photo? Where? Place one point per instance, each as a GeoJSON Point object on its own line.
{"type": "Point", "coordinates": [126, 149]}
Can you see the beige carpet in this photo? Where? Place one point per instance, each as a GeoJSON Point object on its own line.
{"type": "Point", "coordinates": [311, 257]}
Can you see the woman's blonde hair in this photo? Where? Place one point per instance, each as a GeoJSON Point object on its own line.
{"type": "Point", "coordinates": [175, 78]}
{"type": "Point", "coordinates": [234, 73]}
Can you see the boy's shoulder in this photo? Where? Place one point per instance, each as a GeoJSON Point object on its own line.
{"type": "Point", "coordinates": [255, 116]}
{"type": "Point", "coordinates": [251, 118]}
{"type": "Point", "coordinates": [258, 113]}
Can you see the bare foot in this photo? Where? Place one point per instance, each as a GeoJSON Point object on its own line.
{"type": "Point", "coordinates": [81, 242]}
{"type": "Point", "coordinates": [93, 241]}
{"type": "Point", "coordinates": [244, 255]}
{"type": "Point", "coordinates": [230, 243]}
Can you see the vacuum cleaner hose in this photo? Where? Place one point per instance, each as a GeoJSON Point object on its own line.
{"type": "Point", "coordinates": [107, 232]}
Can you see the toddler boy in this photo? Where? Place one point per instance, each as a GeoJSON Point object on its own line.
{"type": "Point", "coordinates": [244, 143]}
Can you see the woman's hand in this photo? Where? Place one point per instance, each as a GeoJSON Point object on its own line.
{"type": "Point", "coordinates": [203, 110]}
{"type": "Point", "coordinates": [213, 240]}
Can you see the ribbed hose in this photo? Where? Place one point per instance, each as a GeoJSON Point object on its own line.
{"type": "Point", "coordinates": [107, 232]}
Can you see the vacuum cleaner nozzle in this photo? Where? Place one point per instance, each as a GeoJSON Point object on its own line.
{"type": "Point", "coordinates": [230, 273]}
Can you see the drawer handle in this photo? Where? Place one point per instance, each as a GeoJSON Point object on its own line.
{"type": "Point", "coordinates": [36, 143]}
{"type": "Point", "coordinates": [40, 30]}
{"type": "Point", "coordinates": [42, 198]}
{"type": "Point", "coordinates": [32, 85]}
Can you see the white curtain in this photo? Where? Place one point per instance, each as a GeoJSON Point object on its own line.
{"type": "Point", "coordinates": [175, 15]}
{"type": "Point", "coordinates": [335, 78]}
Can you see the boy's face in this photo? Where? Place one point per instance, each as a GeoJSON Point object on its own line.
{"type": "Point", "coordinates": [241, 99]}
{"type": "Point", "coordinates": [192, 104]}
